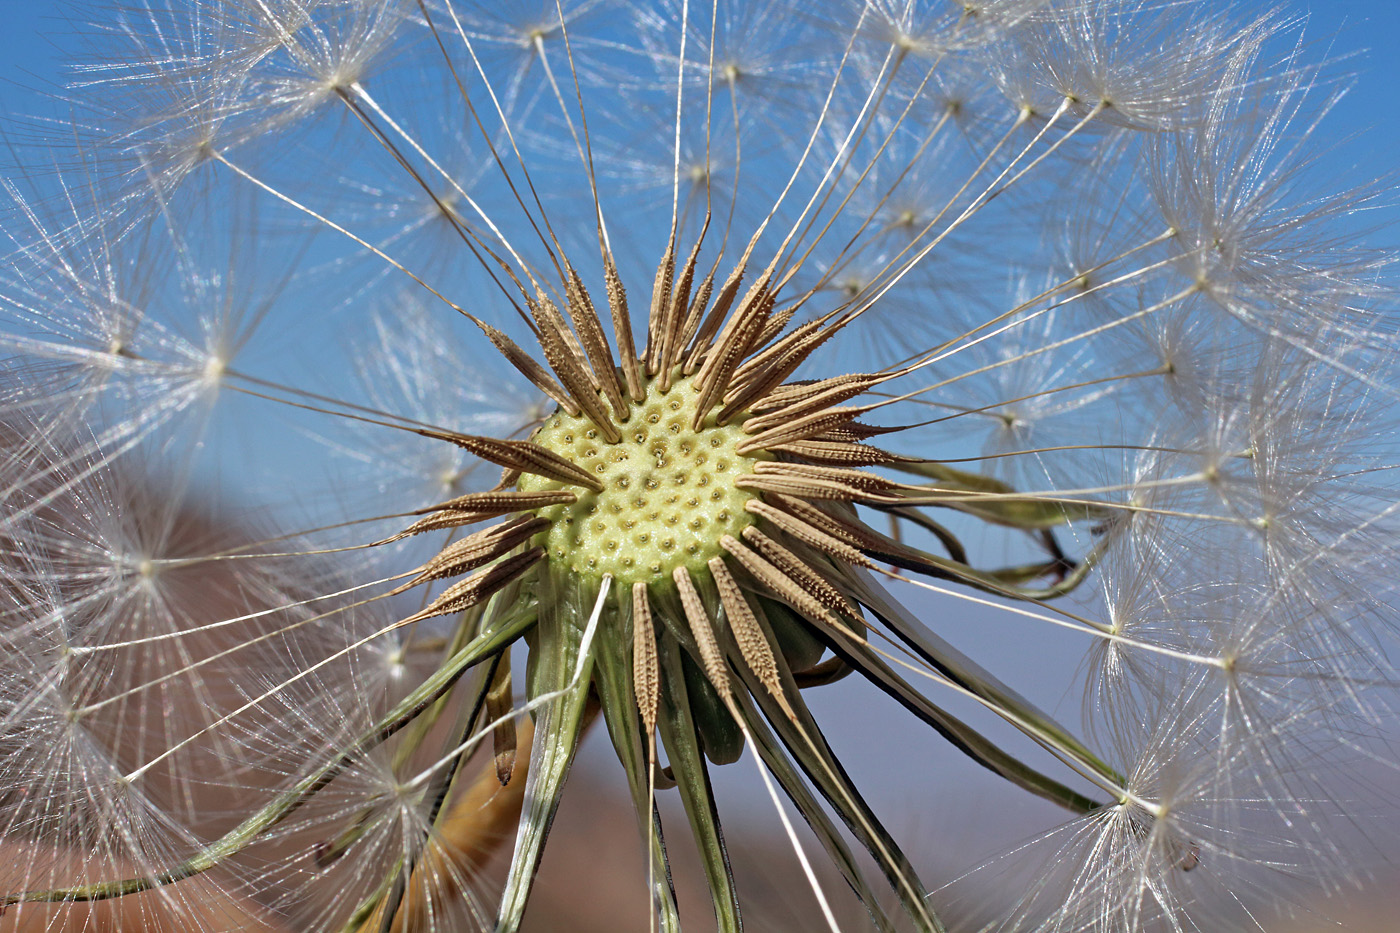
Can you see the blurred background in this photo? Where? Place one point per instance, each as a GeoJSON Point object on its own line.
{"type": "Point", "coordinates": [593, 871]}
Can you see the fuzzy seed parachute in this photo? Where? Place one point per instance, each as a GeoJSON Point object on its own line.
{"type": "Point", "coordinates": [361, 353]}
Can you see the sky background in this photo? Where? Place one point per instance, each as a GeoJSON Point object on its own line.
{"type": "Point", "coordinates": [1365, 32]}
{"type": "Point", "coordinates": [1362, 35]}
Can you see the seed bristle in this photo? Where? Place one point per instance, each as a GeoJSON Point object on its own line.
{"type": "Point", "coordinates": [803, 573]}
{"type": "Point", "coordinates": [595, 343]}
{"type": "Point", "coordinates": [646, 671]}
{"type": "Point", "coordinates": [748, 634]}
{"type": "Point", "coordinates": [702, 630]}
{"type": "Point", "coordinates": [479, 586]}
{"type": "Point", "coordinates": [521, 455]}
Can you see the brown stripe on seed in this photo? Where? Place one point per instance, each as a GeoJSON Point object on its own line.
{"type": "Point", "coordinates": [702, 630]}
{"type": "Point", "coordinates": [777, 582]}
{"type": "Point", "coordinates": [646, 669]}
{"type": "Point", "coordinates": [748, 634]}
{"type": "Point", "coordinates": [479, 586]}
{"type": "Point", "coordinates": [754, 300]}
{"type": "Point", "coordinates": [803, 573]}
{"type": "Point", "coordinates": [521, 455]}
{"type": "Point", "coordinates": [595, 343]}
{"type": "Point", "coordinates": [854, 534]}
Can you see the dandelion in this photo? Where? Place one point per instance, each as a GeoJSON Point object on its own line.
{"type": "Point", "coordinates": [362, 352]}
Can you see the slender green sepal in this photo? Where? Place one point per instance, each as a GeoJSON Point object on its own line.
{"type": "Point", "coordinates": [972, 677]}
{"type": "Point", "coordinates": [560, 676]}
{"type": "Point", "coordinates": [945, 537]}
{"type": "Point", "coordinates": [808, 747]}
{"type": "Point", "coordinates": [969, 741]}
{"type": "Point", "coordinates": [776, 760]}
{"type": "Point", "coordinates": [681, 739]}
{"type": "Point", "coordinates": [613, 678]}
{"type": "Point", "coordinates": [994, 501]}
{"type": "Point", "coordinates": [1078, 573]}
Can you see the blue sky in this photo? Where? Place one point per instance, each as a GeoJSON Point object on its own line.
{"type": "Point", "coordinates": [1364, 35]}
{"type": "Point", "coordinates": [1369, 30]}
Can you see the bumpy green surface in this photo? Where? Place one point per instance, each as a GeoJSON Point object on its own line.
{"type": "Point", "coordinates": [668, 496]}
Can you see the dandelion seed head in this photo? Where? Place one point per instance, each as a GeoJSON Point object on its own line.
{"type": "Point", "coordinates": [668, 490]}
{"type": "Point", "coordinates": [397, 393]}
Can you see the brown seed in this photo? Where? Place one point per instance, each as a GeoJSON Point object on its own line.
{"type": "Point", "coordinates": [476, 549]}
{"type": "Point", "coordinates": [530, 369]}
{"type": "Point", "coordinates": [622, 328]}
{"type": "Point", "coordinates": [748, 634]}
{"type": "Point", "coordinates": [521, 455]}
{"type": "Point", "coordinates": [479, 586]}
{"type": "Point", "coordinates": [837, 453]}
{"type": "Point", "coordinates": [800, 429]}
{"type": "Point", "coordinates": [646, 670]}
{"type": "Point", "coordinates": [595, 344]}
{"type": "Point", "coordinates": [499, 704]}
{"type": "Point", "coordinates": [803, 573]}
{"type": "Point", "coordinates": [809, 533]}
{"type": "Point", "coordinates": [702, 630]}
{"type": "Point", "coordinates": [778, 583]}
{"type": "Point", "coordinates": [498, 502]}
